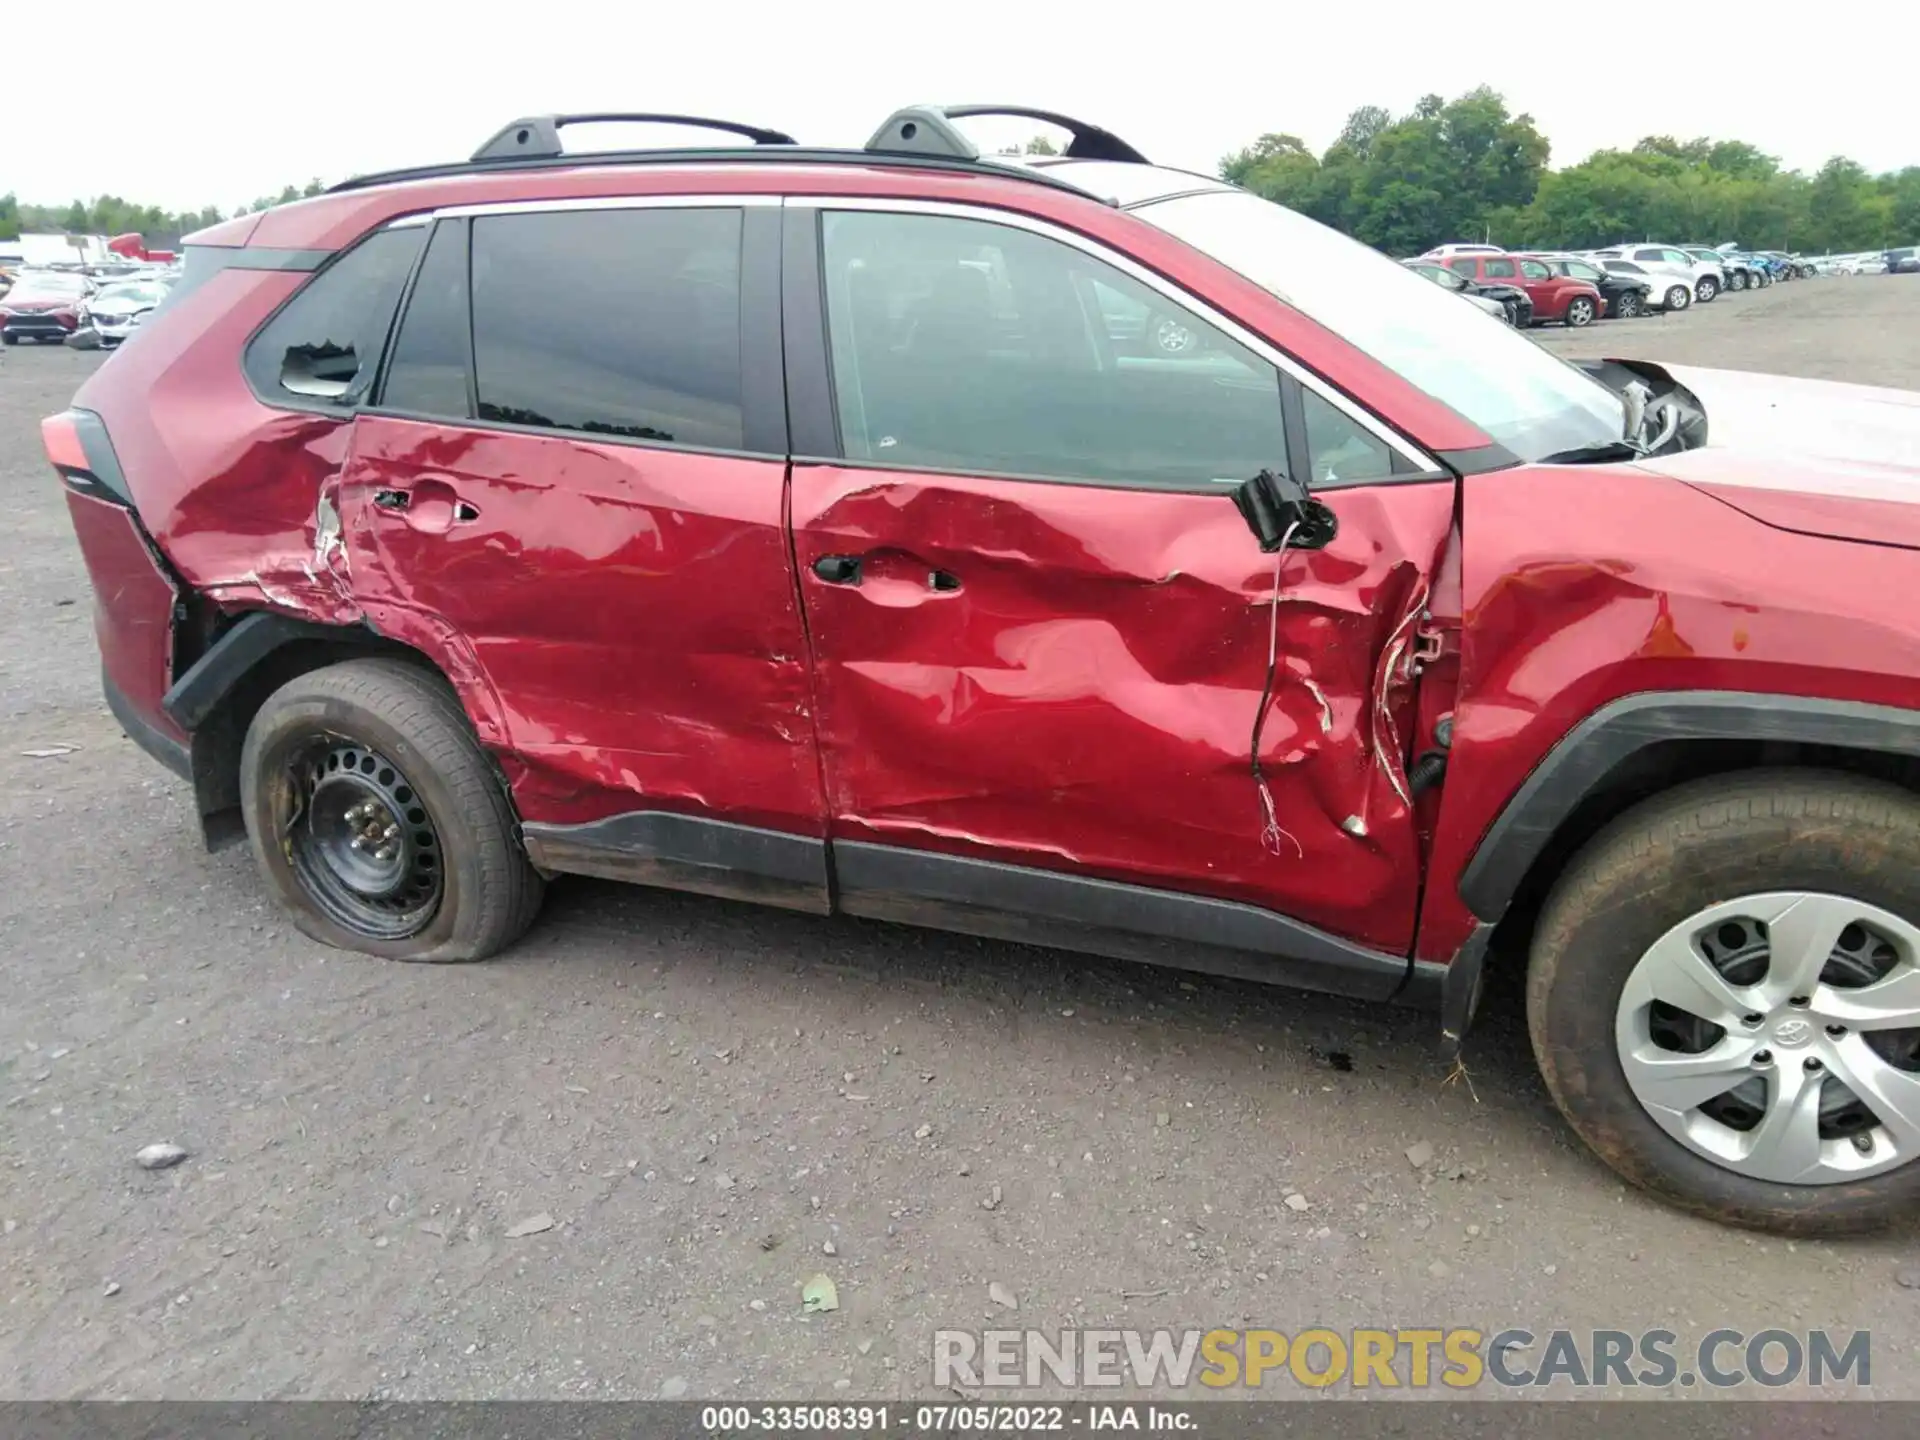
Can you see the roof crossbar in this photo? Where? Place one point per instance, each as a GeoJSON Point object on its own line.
{"type": "Point", "coordinates": [537, 137]}
{"type": "Point", "coordinates": [929, 130]}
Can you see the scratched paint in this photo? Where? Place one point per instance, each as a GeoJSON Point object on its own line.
{"type": "Point", "coordinates": [1085, 699]}
{"type": "Point", "coordinates": [1581, 587]}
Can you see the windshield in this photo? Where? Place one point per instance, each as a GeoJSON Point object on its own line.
{"type": "Point", "coordinates": [1528, 400]}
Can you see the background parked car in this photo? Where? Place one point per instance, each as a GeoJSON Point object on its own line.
{"type": "Point", "coordinates": [1903, 260]}
{"type": "Point", "coordinates": [1509, 305]}
{"type": "Point", "coordinates": [1666, 290]}
{"type": "Point", "coordinates": [1705, 278]}
{"type": "Point", "coordinates": [1556, 298]}
{"type": "Point", "coordinates": [1622, 295]}
{"type": "Point", "coordinates": [1737, 272]}
{"type": "Point", "coordinates": [117, 308]}
{"type": "Point", "coordinates": [43, 305]}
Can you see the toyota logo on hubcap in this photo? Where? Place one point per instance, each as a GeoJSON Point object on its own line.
{"type": "Point", "coordinates": [1792, 1033]}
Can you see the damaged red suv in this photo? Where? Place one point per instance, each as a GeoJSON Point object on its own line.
{"type": "Point", "coordinates": [808, 526]}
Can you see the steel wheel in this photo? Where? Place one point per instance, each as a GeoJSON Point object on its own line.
{"type": "Point", "coordinates": [1778, 1036]}
{"type": "Point", "coordinates": [362, 844]}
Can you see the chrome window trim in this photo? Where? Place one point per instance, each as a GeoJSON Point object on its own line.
{"type": "Point", "coordinates": [1400, 444]}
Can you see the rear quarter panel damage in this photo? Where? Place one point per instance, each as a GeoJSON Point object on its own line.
{"type": "Point", "coordinates": [1582, 585]}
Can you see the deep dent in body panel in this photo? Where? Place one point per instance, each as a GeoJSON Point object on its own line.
{"type": "Point", "coordinates": [1085, 699]}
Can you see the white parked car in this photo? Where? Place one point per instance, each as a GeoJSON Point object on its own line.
{"type": "Point", "coordinates": [1666, 290]}
{"type": "Point", "coordinates": [1706, 277]}
{"type": "Point", "coordinates": [117, 308]}
{"type": "Point", "coordinates": [1444, 253]}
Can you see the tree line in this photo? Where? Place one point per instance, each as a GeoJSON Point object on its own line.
{"type": "Point", "coordinates": [1468, 169]}
{"type": "Point", "coordinates": [111, 215]}
{"type": "Point", "coordinates": [1460, 169]}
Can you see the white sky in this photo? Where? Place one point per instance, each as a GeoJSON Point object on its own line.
{"type": "Point", "coordinates": [215, 102]}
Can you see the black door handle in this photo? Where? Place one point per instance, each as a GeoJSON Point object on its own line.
{"type": "Point", "coordinates": [838, 569]}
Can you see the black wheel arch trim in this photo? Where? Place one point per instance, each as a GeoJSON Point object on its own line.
{"type": "Point", "coordinates": [198, 691]}
{"type": "Point", "coordinates": [1593, 749]}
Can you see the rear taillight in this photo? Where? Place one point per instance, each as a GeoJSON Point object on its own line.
{"type": "Point", "coordinates": [60, 434]}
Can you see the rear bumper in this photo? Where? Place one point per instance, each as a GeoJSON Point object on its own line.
{"type": "Point", "coordinates": [145, 733]}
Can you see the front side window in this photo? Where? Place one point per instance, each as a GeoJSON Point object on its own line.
{"type": "Point", "coordinates": [326, 341]}
{"type": "Point", "coordinates": [1525, 398]}
{"type": "Point", "coordinates": [611, 322]}
{"type": "Point", "coordinates": [1342, 453]}
{"type": "Point", "coordinates": [966, 346]}
{"type": "Point", "coordinates": [1534, 270]}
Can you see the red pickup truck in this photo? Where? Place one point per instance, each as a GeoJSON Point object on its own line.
{"type": "Point", "coordinates": [1555, 297]}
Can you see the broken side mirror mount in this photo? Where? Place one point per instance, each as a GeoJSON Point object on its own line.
{"type": "Point", "coordinates": [1274, 504]}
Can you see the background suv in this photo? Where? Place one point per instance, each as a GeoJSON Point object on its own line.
{"type": "Point", "coordinates": [1704, 277]}
{"type": "Point", "coordinates": [789, 524]}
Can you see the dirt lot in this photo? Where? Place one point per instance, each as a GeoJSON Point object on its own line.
{"type": "Point", "coordinates": [714, 1103]}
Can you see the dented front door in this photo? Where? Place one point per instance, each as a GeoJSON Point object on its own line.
{"type": "Point", "coordinates": [1040, 627]}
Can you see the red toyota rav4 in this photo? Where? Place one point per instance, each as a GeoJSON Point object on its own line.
{"type": "Point", "coordinates": [789, 524]}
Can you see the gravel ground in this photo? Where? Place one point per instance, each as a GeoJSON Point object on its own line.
{"type": "Point", "coordinates": [710, 1103]}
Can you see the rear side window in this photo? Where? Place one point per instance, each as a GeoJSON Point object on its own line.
{"type": "Point", "coordinates": [324, 346]}
{"type": "Point", "coordinates": [1498, 270]}
{"type": "Point", "coordinates": [429, 370]}
{"type": "Point", "coordinates": [1464, 264]}
{"type": "Point", "coordinates": [611, 322]}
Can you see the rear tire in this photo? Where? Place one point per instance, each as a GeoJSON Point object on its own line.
{"type": "Point", "coordinates": [1706, 290]}
{"type": "Point", "coordinates": [1627, 306]}
{"type": "Point", "coordinates": [1695, 855]}
{"type": "Point", "coordinates": [10, 339]}
{"type": "Point", "coordinates": [1737, 281]}
{"type": "Point", "coordinates": [417, 858]}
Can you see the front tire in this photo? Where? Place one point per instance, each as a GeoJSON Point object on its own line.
{"type": "Point", "coordinates": [1724, 1000]}
{"type": "Point", "coordinates": [1706, 290]}
{"type": "Point", "coordinates": [377, 819]}
{"type": "Point", "coordinates": [1580, 312]}
{"type": "Point", "coordinates": [1679, 297]}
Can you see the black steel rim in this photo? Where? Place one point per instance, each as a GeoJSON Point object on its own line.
{"type": "Point", "coordinates": [361, 841]}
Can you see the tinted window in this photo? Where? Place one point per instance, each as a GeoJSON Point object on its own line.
{"type": "Point", "coordinates": [1341, 452]}
{"type": "Point", "coordinates": [1649, 254]}
{"type": "Point", "coordinates": [1534, 270]}
{"type": "Point", "coordinates": [1498, 270]}
{"type": "Point", "coordinates": [614, 322]}
{"type": "Point", "coordinates": [961, 345]}
{"type": "Point", "coordinates": [1465, 264]}
{"type": "Point", "coordinates": [428, 372]}
{"type": "Point", "coordinates": [1579, 270]}
{"type": "Point", "coordinates": [325, 344]}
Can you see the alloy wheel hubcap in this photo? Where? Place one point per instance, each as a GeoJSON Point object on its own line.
{"type": "Point", "coordinates": [1778, 1036]}
{"type": "Point", "coordinates": [1173, 337]}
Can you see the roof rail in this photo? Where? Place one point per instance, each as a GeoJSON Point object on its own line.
{"type": "Point", "coordinates": [537, 137]}
{"type": "Point", "coordinates": [928, 130]}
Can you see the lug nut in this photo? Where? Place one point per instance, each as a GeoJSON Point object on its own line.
{"type": "Point", "coordinates": [359, 842]}
{"type": "Point", "coordinates": [1812, 1064]}
{"type": "Point", "coordinates": [1836, 1031]}
{"type": "Point", "coordinates": [1763, 1057]}
{"type": "Point", "coordinates": [1863, 1142]}
{"type": "Point", "coordinates": [1751, 1021]}
{"type": "Point", "coordinates": [1798, 1000]}
{"type": "Point", "coordinates": [383, 853]}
